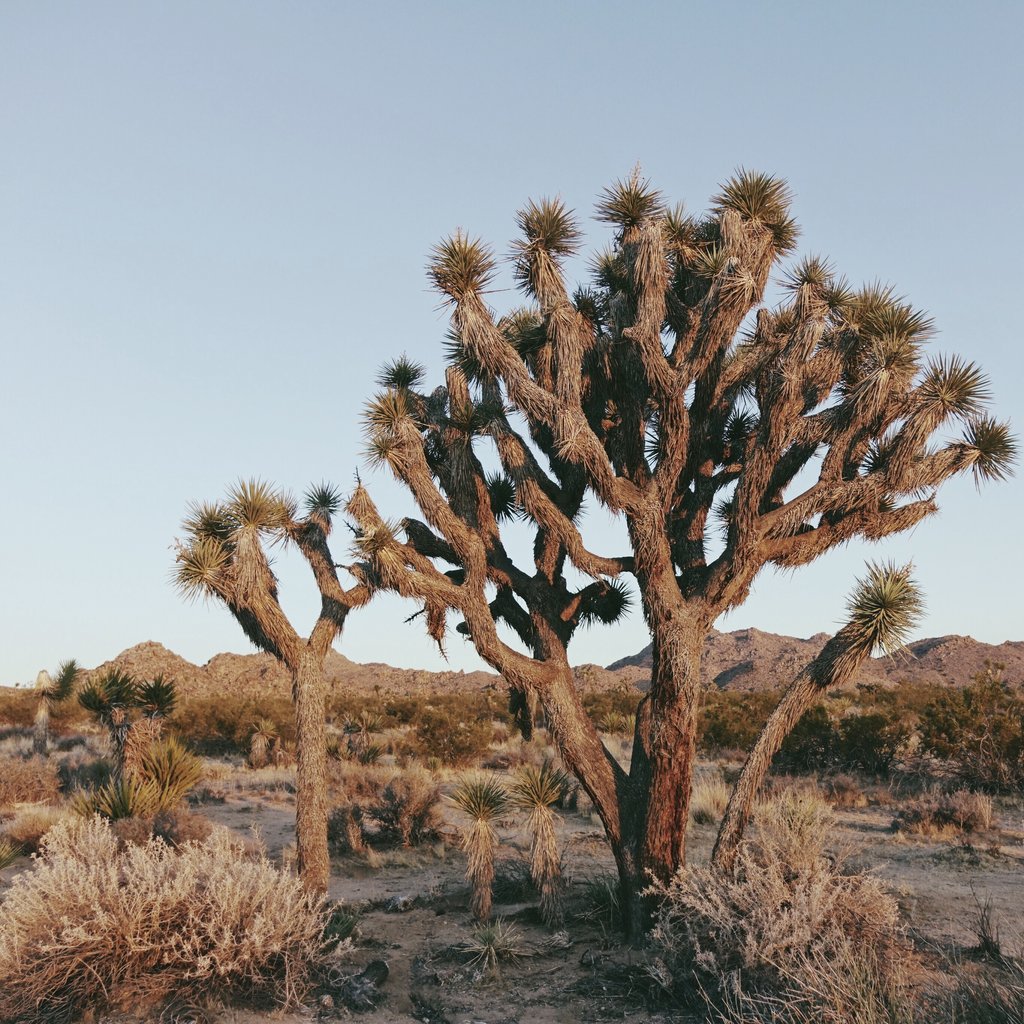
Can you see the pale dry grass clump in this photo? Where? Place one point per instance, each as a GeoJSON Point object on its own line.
{"type": "Point", "coordinates": [785, 904]}
{"type": "Point", "coordinates": [30, 823]}
{"type": "Point", "coordinates": [709, 799]}
{"type": "Point", "coordinates": [28, 780]}
{"type": "Point", "coordinates": [92, 925]}
{"type": "Point", "coordinates": [938, 815]}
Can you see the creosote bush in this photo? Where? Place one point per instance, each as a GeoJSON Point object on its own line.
{"type": "Point", "coordinates": [95, 926]}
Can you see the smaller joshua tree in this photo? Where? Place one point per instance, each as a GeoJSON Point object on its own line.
{"type": "Point", "coordinates": [51, 691]}
{"type": "Point", "coordinates": [224, 555]}
{"type": "Point", "coordinates": [537, 790]}
{"type": "Point", "coordinates": [132, 712]}
{"type": "Point", "coordinates": [883, 608]}
{"type": "Point", "coordinates": [483, 799]}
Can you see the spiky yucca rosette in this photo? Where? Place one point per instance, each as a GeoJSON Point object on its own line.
{"type": "Point", "coordinates": [483, 798]}
{"type": "Point", "coordinates": [537, 790]}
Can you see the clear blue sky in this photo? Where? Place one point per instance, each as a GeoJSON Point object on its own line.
{"type": "Point", "coordinates": [214, 220]}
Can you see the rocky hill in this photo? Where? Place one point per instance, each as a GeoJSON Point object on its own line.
{"type": "Point", "coordinates": [749, 659]}
{"type": "Point", "coordinates": [746, 659]}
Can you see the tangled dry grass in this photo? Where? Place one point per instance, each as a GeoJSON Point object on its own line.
{"type": "Point", "coordinates": [96, 924]}
{"type": "Point", "coordinates": [786, 913]}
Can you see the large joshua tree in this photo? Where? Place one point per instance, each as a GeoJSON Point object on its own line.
{"type": "Point", "coordinates": [224, 556]}
{"type": "Point", "coordinates": [728, 434]}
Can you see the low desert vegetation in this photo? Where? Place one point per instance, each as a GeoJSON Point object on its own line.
{"type": "Point", "coordinates": [96, 925]}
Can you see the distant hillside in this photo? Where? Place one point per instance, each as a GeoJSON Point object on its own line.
{"type": "Point", "coordinates": [749, 659]}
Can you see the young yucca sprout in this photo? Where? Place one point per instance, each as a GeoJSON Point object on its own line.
{"type": "Point", "coordinates": [537, 790]}
{"type": "Point", "coordinates": [482, 798]}
{"type": "Point", "coordinates": [494, 942]}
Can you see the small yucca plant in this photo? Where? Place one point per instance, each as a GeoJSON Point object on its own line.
{"type": "Point", "coordinates": [494, 942]}
{"type": "Point", "coordinates": [172, 769]}
{"type": "Point", "coordinates": [124, 798]}
{"type": "Point", "coordinates": [483, 799]}
{"type": "Point", "coordinates": [9, 853]}
{"type": "Point", "coordinates": [537, 790]}
{"type": "Point", "coordinates": [264, 732]}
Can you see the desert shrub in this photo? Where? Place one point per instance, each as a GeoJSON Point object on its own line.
{"type": "Point", "coordinates": [785, 905]}
{"type": "Point", "coordinates": [346, 828]}
{"type": "Point", "coordinates": [844, 791]}
{"type": "Point", "coordinates": [407, 809]}
{"type": "Point", "coordinates": [17, 708]}
{"type": "Point", "coordinates": [30, 824]}
{"type": "Point", "coordinates": [174, 827]}
{"type": "Point", "coordinates": [218, 724]}
{"type": "Point", "coordinates": [979, 732]}
{"type": "Point", "coordinates": [811, 746]}
{"type": "Point", "coordinates": [733, 721]}
{"type": "Point", "coordinates": [959, 812]}
{"type": "Point", "coordinates": [92, 926]}
{"type": "Point", "coordinates": [611, 706]}
{"type": "Point", "coordinates": [848, 984]}
{"type": "Point", "coordinates": [440, 733]}
{"type": "Point", "coordinates": [991, 995]}
{"type": "Point", "coordinates": [869, 742]}
{"type": "Point", "coordinates": [28, 780]}
{"type": "Point", "coordinates": [709, 799]}
{"type": "Point", "coordinates": [83, 772]}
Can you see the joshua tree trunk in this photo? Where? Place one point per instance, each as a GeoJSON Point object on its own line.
{"type": "Point", "coordinates": [311, 771]}
{"type": "Point", "coordinates": [883, 608]}
{"type": "Point", "coordinates": [41, 735]}
{"type": "Point", "coordinates": [802, 695]}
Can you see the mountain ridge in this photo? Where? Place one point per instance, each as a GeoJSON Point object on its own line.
{"type": "Point", "coordinates": [744, 659]}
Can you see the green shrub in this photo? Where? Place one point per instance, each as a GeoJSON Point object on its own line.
{"type": "Point", "coordinates": [453, 740]}
{"type": "Point", "coordinates": [733, 721]}
{"type": "Point", "coordinates": [220, 724]}
{"type": "Point", "coordinates": [979, 731]}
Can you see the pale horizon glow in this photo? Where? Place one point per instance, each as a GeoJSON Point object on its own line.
{"type": "Point", "coordinates": [216, 219]}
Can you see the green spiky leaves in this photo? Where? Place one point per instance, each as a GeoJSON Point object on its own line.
{"type": "Point", "coordinates": [401, 374]}
{"type": "Point", "coordinates": [502, 493]}
{"type": "Point", "coordinates": [157, 697]}
{"type": "Point", "coordinates": [884, 607]}
{"type": "Point", "coordinates": [323, 501]}
{"type": "Point", "coordinates": [460, 266]}
{"type": "Point", "coordinates": [762, 199]}
{"type": "Point", "coordinates": [539, 787]}
{"type": "Point", "coordinates": [606, 602]}
{"type": "Point", "coordinates": [550, 226]}
{"type": "Point", "coordinates": [993, 448]}
{"type": "Point", "coordinates": [954, 386]}
{"type": "Point", "coordinates": [629, 202]}
{"type": "Point", "coordinates": [58, 688]}
{"type": "Point", "coordinates": [255, 505]}
{"type": "Point", "coordinates": [482, 798]}
{"type": "Point", "coordinates": [109, 693]}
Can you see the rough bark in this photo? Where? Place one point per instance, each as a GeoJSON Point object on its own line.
{"type": "Point", "coordinates": [797, 699]}
{"type": "Point", "coordinates": [311, 771]}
